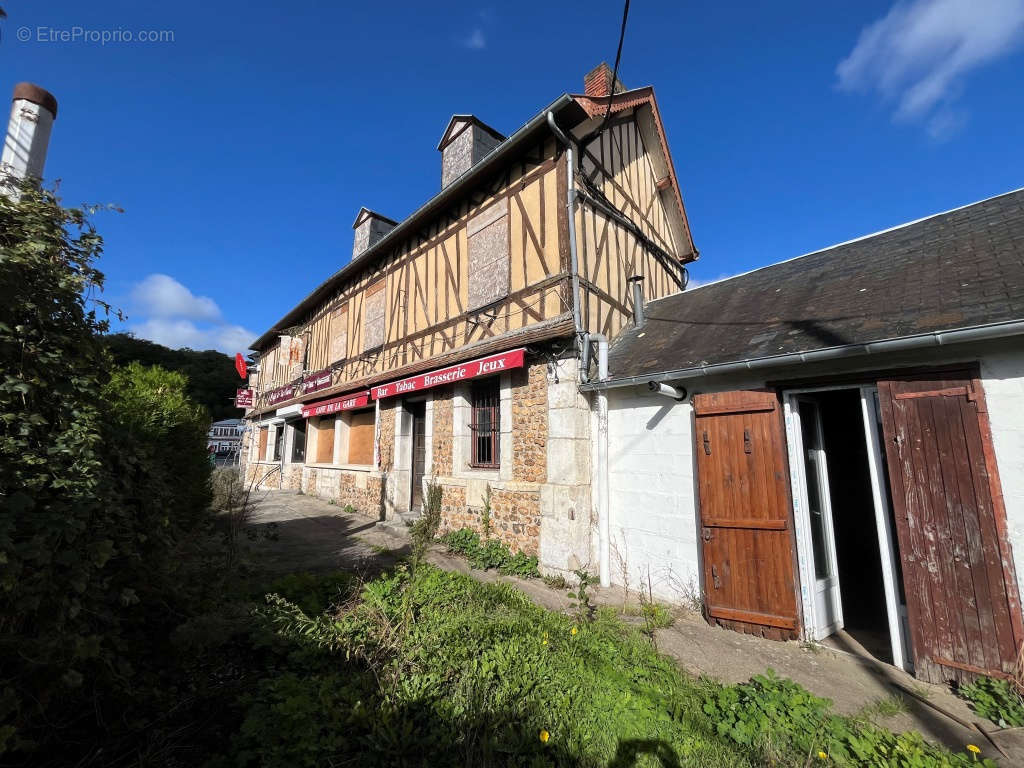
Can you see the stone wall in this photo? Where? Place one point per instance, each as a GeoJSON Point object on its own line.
{"type": "Point", "coordinates": [515, 519]}
{"type": "Point", "coordinates": [530, 423]}
{"type": "Point", "coordinates": [360, 490]}
{"type": "Point", "coordinates": [443, 431]}
{"type": "Point", "coordinates": [386, 444]}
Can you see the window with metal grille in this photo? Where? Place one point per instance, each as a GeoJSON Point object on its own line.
{"type": "Point", "coordinates": [485, 425]}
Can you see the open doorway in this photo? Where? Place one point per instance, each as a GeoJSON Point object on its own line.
{"type": "Point", "coordinates": [848, 553]}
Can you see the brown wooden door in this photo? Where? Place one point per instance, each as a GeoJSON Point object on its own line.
{"type": "Point", "coordinates": [962, 599]}
{"type": "Point", "coordinates": [419, 451]}
{"type": "Point", "coordinates": [748, 547]}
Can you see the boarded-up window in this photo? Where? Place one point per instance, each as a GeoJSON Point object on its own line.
{"type": "Point", "coordinates": [360, 437]}
{"type": "Point", "coordinates": [325, 441]}
{"type": "Point", "coordinates": [264, 431]}
{"type": "Point", "coordinates": [488, 255]}
{"type": "Point", "coordinates": [339, 333]}
{"type": "Point", "coordinates": [296, 357]}
{"type": "Point", "coordinates": [373, 316]}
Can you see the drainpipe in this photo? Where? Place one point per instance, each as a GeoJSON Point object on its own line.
{"type": "Point", "coordinates": [570, 207]}
{"type": "Point", "coordinates": [603, 507]}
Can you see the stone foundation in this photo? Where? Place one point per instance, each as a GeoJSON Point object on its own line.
{"type": "Point", "coordinates": [360, 490]}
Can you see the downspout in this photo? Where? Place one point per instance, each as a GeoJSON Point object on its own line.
{"type": "Point", "coordinates": [603, 523]}
{"type": "Point", "coordinates": [570, 207]}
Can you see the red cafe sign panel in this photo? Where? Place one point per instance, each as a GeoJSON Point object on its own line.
{"type": "Point", "coordinates": [243, 398]}
{"type": "Point", "coordinates": [281, 393]}
{"type": "Point", "coordinates": [484, 366]}
{"type": "Point", "coordinates": [314, 382]}
{"type": "Point", "coordinates": [335, 405]}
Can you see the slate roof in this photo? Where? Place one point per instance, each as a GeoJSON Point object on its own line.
{"type": "Point", "coordinates": [953, 270]}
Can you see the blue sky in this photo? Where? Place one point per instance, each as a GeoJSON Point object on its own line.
{"type": "Point", "coordinates": [242, 149]}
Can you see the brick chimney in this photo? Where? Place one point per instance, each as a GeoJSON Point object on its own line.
{"type": "Point", "coordinates": [598, 82]}
{"type": "Point", "coordinates": [33, 111]}
{"type": "Point", "coordinates": [466, 141]}
{"type": "Point", "coordinates": [370, 227]}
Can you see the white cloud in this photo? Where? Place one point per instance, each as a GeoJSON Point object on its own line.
{"type": "Point", "coordinates": [918, 55]}
{"type": "Point", "coordinates": [170, 314]}
{"type": "Point", "coordinates": [163, 296]}
{"type": "Point", "coordinates": [476, 40]}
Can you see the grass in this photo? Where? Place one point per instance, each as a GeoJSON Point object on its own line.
{"type": "Point", "coordinates": [656, 615]}
{"type": "Point", "coordinates": [884, 706]}
{"type": "Point", "coordinates": [434, 668]}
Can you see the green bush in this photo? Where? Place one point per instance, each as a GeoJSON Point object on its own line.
{"type": "Point", "coordinates": [104, 495]}
{"type": "Point", "coordinates": [490, 554]}
{"type": "Point", "coordinates": [995, 699]}
{"type": "Point", "coordinates": [785, 723]}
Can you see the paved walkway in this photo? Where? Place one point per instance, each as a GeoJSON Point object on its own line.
{"type": "Point", "coordinates": [312, 534]}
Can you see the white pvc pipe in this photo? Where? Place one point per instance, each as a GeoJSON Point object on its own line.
{"type": "Point", "coordinates": [603, 505]}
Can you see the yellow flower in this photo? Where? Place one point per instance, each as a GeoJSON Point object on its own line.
{"type": "Point", "coordinates": [544, 736]}
{"type": "Point", "coordinates": [573, 631]}
{"type": "Point", "coordinates": [544, 641]}
{"type": "Point", "coordinates": [822, 755]}
{"type": "Point", "coordinates": [973, 748]}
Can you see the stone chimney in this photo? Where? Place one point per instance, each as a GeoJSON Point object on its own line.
{"type": "Point", "coordinates": [370, 228]}
{"type": "Point", "coordinates": [465, 143]}
{"type": "Point", "coordinates": [28, 133]}
{"type": "Point", "coordinates": [598, 82]}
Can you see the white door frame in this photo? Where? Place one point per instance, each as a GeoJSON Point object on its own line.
{"type": "Point", "coordinates": [802, 525]}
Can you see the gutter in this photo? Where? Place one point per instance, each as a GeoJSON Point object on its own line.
{"type": "Point", "coordinates": [897, 344]}
{"type": "Point", "coordinates": [570, 207]}
{"type": "Point", "coordinates": [458, 186]}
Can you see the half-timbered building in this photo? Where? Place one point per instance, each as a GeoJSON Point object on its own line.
{"type": "Point", "coordinates": [450, 345]}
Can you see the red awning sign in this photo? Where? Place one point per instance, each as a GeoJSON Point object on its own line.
{"type": "Point", "coordinates": [243, 398]}
{"type": "Point", "coordinates": [240, 365]}
{"type": "Point", "coordinates": [336, 405]}
{"type": "Point", "coordinates": [484, 366]}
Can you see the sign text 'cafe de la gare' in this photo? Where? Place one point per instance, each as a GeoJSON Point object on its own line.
{"type": "Point", "coordinates": [484, 366]}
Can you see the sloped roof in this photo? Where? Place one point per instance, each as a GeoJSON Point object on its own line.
{"type": "Point", "coordinates": [953, 270]}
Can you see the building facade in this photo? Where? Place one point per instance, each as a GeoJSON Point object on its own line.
{"type": "Point", "coordinates": [450, 346]}
{"type": "Point", "coordinates": [832, 448]}
{"type": "Point", "coordinates": [225, 436]}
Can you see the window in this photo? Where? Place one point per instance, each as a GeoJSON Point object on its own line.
{"type": "Point", "coordinates": [278, 442]}
{"type": "Point", "coordinates": [299, 441]}
{"type": "Point", "coordinates": [488, 255]}
{"type": "Point", "coordinates": [373, 316]}
{"type": "Point", "coordinates": [485, 424]}
{"type": "Point", "coordinates": [264, 431]}
{"type": "Point", "coordinates": [339, 333]}
{"type": "Point", "coordinates": [325, 440]}
{"type": "Point", "coordinates": [360, 436]}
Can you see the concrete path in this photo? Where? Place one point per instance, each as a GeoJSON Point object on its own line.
{"type": "Point", "coordinates": [312, 534]}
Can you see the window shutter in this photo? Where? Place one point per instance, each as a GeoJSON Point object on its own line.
{"type": "Point", "coordinates": [360, 437]}
{"type": "Point", "coordinates": [325, 441]}
{"type": "Point", "coordinates": [339, 333]}
{"type": "Point", "coordinates": [488, 236]}
{"type": "Point", "coordinates": [373, 316]}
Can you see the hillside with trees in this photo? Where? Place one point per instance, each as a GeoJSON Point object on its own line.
{"type": "Point", "coordinates": [212, 379]}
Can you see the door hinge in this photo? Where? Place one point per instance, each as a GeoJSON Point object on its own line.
{"type": "Point", "coordinates": [707, 534]}
{"type": "Point", "coordinates": [707, 444]}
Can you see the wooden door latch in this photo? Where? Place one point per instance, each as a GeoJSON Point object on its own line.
{"type": "Point", "coordinates": [707, 444]}
{"type": "Point", "coordinates": [748, 445]}
{"type": "Point", "coordinates": [714, 577]}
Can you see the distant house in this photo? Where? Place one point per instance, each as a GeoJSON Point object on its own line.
{"type": "Point", "coordinates": [845, 460]}
{"type": "Point", "coordinates": [225, 436]}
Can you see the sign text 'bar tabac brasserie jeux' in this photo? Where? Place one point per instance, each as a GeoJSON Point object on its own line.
{"type": "Point", "coordinates": [484, 366]}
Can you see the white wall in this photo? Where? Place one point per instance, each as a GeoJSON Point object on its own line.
{"type": "Point", "coordinates": [1002, 375]}
{"type": "Point", "coordinates": [651, 494]}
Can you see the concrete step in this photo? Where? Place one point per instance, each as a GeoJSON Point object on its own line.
{"type": "Point", "coordinates": [399, 525]}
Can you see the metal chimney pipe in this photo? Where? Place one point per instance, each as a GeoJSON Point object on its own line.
{"type": "Point", "coordinates": [33, 110]}
{"type": "Point", "coordinates": [637, 281]}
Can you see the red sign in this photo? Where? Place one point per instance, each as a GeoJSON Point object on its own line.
{"type": "Point", "coordinates": [336, 405]}
{"type": "Point", "coordinates": [314, 382]}
{"type": "Point", "coordinates": [281, 393]}
{"type": "Point", "coordinates": [484, 366]}
{"type": "Point", "coordinates": [240, 365]}
{"type": "Point", "coordinates": [243, 398]}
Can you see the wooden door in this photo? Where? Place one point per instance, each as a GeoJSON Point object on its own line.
{"type": "Point", "coordinates": [962, 600]}
{"type": "Point", "coordinates": [419, 451]}
{"type": "Point", "coordinates": [748, 547]}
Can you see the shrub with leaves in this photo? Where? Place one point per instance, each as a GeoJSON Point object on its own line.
{"type": "Point", "coordinates": [997, 700]}
{"type": "Point", "coordinates": [485, 555]}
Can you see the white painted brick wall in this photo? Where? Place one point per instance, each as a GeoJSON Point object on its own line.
{"type": "Point", "coordinates": [1002, 376]}
{"type": "Point", "coordinates": [650, 480]}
